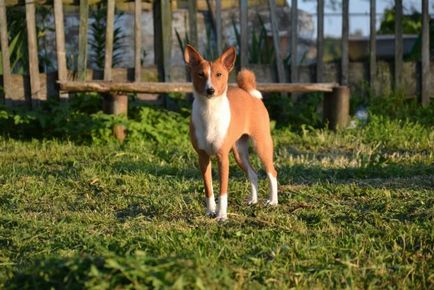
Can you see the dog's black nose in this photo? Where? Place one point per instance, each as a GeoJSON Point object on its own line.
{"type": "Point", "coordinates": [210, 91]}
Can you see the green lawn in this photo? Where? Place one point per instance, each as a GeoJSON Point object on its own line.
{"type": "Point", "coordinates": [356, 211]}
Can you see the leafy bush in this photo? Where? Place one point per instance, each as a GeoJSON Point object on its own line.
{"type": "Point", "coordinates": [81, 120]}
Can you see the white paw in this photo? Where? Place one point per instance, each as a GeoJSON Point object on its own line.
{"type": "Point", "coordinates": [252, 201]}
{"type": "Point", "coordinates": [270, 202]}
{"type": "Point", "coordinates": [211, 206]}
{"type": "Point", "coordinates": [221, 218]}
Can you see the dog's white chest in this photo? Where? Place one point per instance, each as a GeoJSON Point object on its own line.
{"type": "Point", "coordinates": [211, 118]}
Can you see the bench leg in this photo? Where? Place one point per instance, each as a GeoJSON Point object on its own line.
{"type": "Point", "coordinates": [116, 105]}
{"type": "Point", "coordinates": [336, 108]}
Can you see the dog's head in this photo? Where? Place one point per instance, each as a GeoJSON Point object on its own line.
{"type": "Point", "coordinates": [210, 78]}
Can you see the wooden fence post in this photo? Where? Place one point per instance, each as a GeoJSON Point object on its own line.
{"type": "Point", "coordinates": [192, 22]}
{"type": "Point", "coordinates": [138, 40]}
{"type": "Point", "coordinates": [398, 45]}
{"type": "Point", "coordinates": [244, 42]}
{"type": "Point", "coordinates": [320, 42]}
{"type": "Point", "coordinates": [212, 22]}
{"type": "Point", "coordinates": [337, 108]}
{"type": "Point", "coordinates": [373, 47]}
{"type": "Point", "coordinates": [218, 25]}
{"type": "Point", "coordinates": [425, 74]}
{"type": "Point", "coordinates": [294, 45]}
{"type": "Point", "coordinates": [5, 52]}
{"type": "Point", "coordinates": [294, 40]}
{"type": "Point", "coordinates": [345, 32]}
{"type": "Point", "coordinates": [35, 85]}
{"type": "Point", "coordinates": [276, 41]}
{"type": "Point", "coordinates": [162, 12]}
{"type": "Point", "coordinates": [60, 44]}
{"type": "Point", "coordinates": [82, 40]}
{"type": "Point", "coordinates": [108, 60]}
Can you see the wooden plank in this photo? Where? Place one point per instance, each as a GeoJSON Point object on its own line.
{"type": "Point", "coordinates": [320, 41]}
{"type": "Point", "coordinates": [218, 25]}
{"type": "Point", "coordinates": [138, 40]}
{"type": "Point", "coordinates": [35, 86]}
{"type": "Point", "coordinates": [162, 12]}
{"type": "Point", "coordinates": [276, 41]}
{"type": "Point", "coordinates": [294, 41]}
{"type": "Point", "coordinates": [5, 52]}
{"type": "Point", "coordinates": [82, 40]}
{"type": "Point", "coordinates": [398, 45]}
{"type": "Point", "coordinates": [425, 74]}
{"type": "Point", "coordinates": [192, 22]}
{"type": "Point", "coordinates": [183, 87]}
{"type": "Point", "coordinates": [108, 60]}
{"type": "Point", "coordinates": [244, 51]}
{"type": "Point", "coordinates": [345, 33]}
{"type": "Point", "coordinates": [373, 46]}
{"type": "Point", "coordinates": [60, 43]}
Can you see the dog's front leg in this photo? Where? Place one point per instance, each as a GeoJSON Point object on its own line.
{"type": "Point", "coordinates": [223, 161]}
{"type": "Point", "coordinates": [205, 168]}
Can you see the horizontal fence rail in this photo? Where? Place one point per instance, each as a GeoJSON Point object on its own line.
{"type": "Point", "coordinates": [183, 87]}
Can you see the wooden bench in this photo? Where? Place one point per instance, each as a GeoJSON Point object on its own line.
{"type": "Point", "coordinates": [335, 105]}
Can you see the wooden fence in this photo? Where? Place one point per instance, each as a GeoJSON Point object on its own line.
{"type": "Point", "coordinates": [162, 13]}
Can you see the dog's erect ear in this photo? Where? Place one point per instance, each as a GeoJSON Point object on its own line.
{"type": "Point", "coordinates": [228, 58]}
{"type": "Point", "coordinates": [192, 56]}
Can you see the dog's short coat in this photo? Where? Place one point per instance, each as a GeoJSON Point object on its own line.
{"type": "Point", "coordinates": [224, 119]}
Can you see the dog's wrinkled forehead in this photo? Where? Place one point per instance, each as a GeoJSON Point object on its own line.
{"type": "Point", "coordinates": [205, 66]}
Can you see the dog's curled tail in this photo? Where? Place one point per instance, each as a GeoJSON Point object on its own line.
{"type": "Point", "coordinates": [246, 80]}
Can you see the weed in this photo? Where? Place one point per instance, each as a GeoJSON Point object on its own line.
{"type": "Point", "coordinates": [97, 41]}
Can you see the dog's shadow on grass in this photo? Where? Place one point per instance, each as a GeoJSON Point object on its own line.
{"type": "Point", "coordinates": [190, 172]}
{"type": "Point", "coordinates": [128, 167]}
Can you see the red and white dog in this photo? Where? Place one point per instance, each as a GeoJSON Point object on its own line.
{"type": "Point", "coordinates": [225, 118]}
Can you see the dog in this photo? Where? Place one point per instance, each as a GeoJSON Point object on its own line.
{"type": "Point", "coordinates": [224, 119]}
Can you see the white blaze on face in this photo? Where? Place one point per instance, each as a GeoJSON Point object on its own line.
{"type": "Point", "coordinates": [208, 81]}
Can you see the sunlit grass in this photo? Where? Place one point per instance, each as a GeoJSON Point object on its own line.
{"type": "Point", "coordinates": [356, 211]}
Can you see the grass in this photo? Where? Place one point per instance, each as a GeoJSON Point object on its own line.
{"type": "Point", "coordinates": [356, 211]}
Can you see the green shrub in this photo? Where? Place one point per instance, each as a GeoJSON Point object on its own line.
{"type": "Point", "coordinates": [81, 120]}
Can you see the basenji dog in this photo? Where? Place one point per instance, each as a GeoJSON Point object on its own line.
{"type": "Point", "coordinates": [224, 119]}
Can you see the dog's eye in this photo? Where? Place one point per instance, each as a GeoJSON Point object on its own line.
{"type": "Point", "coordinates": [201, 74]}
{"type": "Point", "coordinates": [219, 75]}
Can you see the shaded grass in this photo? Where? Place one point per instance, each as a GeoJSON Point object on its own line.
{"type": "Point", "coordinates": [356, 211]}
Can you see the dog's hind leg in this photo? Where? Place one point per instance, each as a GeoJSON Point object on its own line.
{"type": "Point", "coordinates": [264, 149]}
{"type": "Point", "coordinates": [241, 154]}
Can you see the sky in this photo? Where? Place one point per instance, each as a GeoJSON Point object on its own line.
{"type": "Point", "coordinates": [359, 20]}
